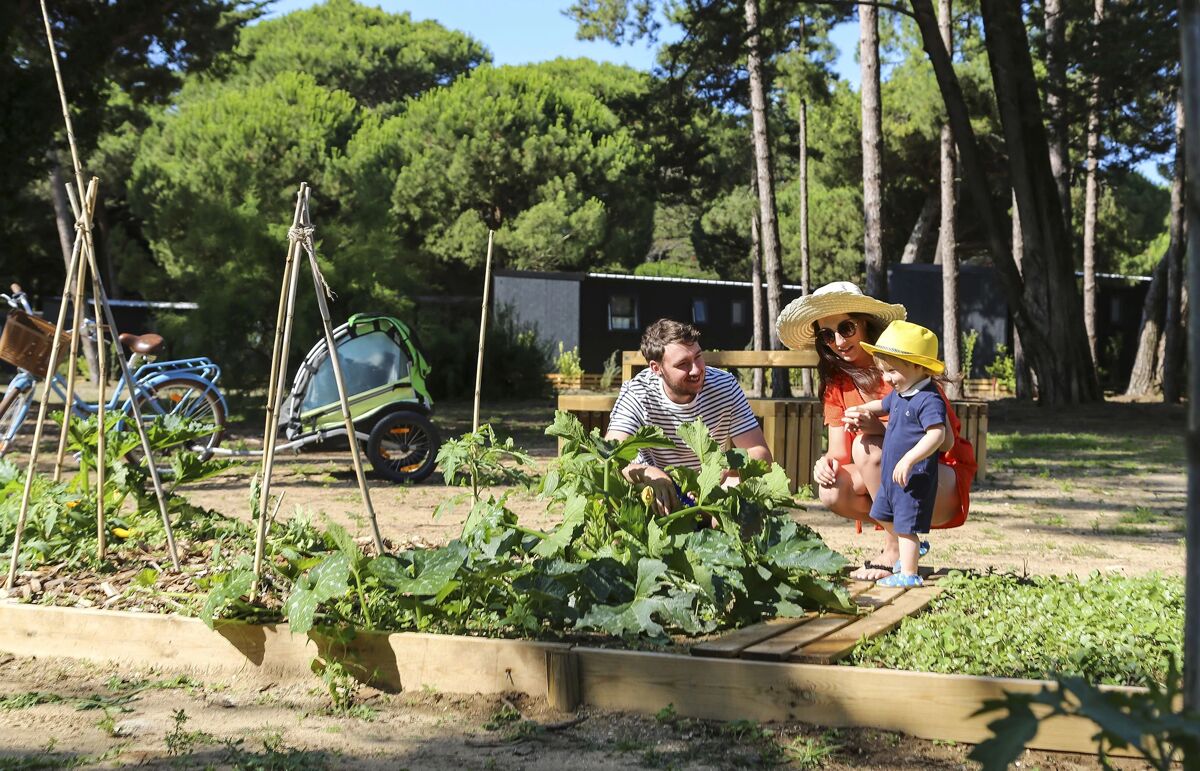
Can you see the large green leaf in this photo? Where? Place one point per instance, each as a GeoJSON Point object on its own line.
{"type": "Point", "coordinates": [558, 541]}
{"type": "Point", "coordinates": [432, 570]}
{"type": "Point", "coordinates": [324, 582]}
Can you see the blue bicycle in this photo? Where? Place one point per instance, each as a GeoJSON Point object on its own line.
{"type": "Point", "coordinates": [184, 387]}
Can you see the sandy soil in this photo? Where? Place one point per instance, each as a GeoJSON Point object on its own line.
{"type": "Point", "coordinates": [1110, 497]}
{"type": "Point", "coordinates": [134, 720]}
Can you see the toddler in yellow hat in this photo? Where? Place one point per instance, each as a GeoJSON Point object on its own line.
{"type": "Point", "coordinates": [907, 355]}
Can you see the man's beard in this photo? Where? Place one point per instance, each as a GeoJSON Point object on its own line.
{"type": "Point", "coordinates": [682, 386]}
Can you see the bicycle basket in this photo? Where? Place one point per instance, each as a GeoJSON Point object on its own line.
{"type": "Point", "coordinates": [26, 342]}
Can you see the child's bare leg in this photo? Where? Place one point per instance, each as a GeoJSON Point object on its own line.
{"type": "Point", "coordinates": [910, 552]}
{"type": "Point", "coordinates": [867, 451]}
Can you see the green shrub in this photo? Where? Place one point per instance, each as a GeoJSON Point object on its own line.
{"type": "Point", "coordinates": [514, 362]}
{"type": "Point", "coordinates": [1003, 368]}
{"type": "Point", "coordinates": [568, 362]}
{"type": "Point", "coordinates": [969, 340]}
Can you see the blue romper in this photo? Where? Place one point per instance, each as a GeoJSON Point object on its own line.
{"type": "Point", "coordinates": [909, 509]}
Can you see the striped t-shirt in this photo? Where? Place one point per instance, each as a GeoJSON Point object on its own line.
{"type": "Point", "coordinates": [721, 404]}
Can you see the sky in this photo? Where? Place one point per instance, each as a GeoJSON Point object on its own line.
{"type": "Point", "coordinates": [525, 31]}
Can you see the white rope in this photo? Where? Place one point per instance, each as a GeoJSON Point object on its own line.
{"type": "Point", "coordinates": [303, 235]}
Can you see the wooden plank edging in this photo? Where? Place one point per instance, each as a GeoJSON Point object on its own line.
{"type": "Point", "coordinates": [928, 705]}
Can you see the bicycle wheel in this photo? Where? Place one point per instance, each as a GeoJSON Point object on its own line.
{"type": "Point", "coordinates": [188, 399]}
{"type": "Point", "coordinates": [14, 407]}
{"type": "Point", "coordinates": [403, 447]}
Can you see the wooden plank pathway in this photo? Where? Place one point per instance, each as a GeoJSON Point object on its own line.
{"type": "Point", "coordinates": [825, 638]}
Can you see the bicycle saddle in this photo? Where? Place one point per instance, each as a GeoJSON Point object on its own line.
{"type": "Point", "coordinates": [146, 344]}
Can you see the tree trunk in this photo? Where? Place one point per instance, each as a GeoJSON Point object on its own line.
{"type": "Point", "coordinates": [756, 300]}
{"type": "Point", "coordinates": [64, 218]}
{"type": "Point", "coordinates": [1091, 195]}
{"type": "Point", "coordinates": [769, 224]}
{"type": "Point", "coordinates": [805, 266]}
{"type": "Point", "coordinates": [1044, 300]}
{"type": "Point", "coordinates": [1189, 28]}
{"type": "Point", "coordinates": [872, 151]}
{"type": "Point", "coordinates": [948, 236]}
{"type": "Point", "coordinates": [1143, 379]}
{"type": "Point", "coordinates": [917, 248]}
{"type": "Point", "coordinates": [1173, 361]}
{"type": "Point", "coordinates": [806, 384]}
{"type": "Point", "coordinates": [1056, 90]}
{"type": "Point", "coordinates": [1024, 378]}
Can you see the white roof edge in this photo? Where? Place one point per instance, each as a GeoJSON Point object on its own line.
{"type": "Point", "coordinates": [682, 280]}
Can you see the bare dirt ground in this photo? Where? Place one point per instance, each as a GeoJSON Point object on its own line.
{"type": "Point", "coordinates": [107, 717]}
{"type": "Point", "coordinates": [1099, 488]}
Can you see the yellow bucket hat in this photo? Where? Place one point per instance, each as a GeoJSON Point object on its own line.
{"type": "Point", "coordinates": [911, 342]}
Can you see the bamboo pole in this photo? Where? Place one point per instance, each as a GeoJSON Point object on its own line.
{"type": "Point", "coordinates": [88, 253]}
{"type": "Point", "coordinates": [43, 404]}
{"type": "Point", "coordinates": [279, 359]}
{"type": "Point", "coordinates": [355, 451]}
{"type": "Point", "coordinates": [101, 435]}
{"type": "Point", "coordinates": [72, 357]}
{"type": "Point", "coordinates": [483, 320]}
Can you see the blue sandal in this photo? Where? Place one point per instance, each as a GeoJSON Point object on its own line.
{"type": "Point", "coordinates": [901, 580]}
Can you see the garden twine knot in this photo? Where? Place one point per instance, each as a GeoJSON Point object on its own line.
{"type": "Point", "coordinates": [303, 234]}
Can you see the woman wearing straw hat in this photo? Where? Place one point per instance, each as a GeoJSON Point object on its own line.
{"type": "Point", "coordinates": [836, 319]}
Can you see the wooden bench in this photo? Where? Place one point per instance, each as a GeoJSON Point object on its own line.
{"type": "Point", "coordinates": [794, 428]}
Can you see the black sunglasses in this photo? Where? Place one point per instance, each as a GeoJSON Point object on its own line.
{"type": "Point", "coordinates": [847, 329]}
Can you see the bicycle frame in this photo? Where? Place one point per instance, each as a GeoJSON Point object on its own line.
{"type": "Point", "coordinates": [201, 371]}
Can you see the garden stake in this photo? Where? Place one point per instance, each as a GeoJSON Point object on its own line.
{"type": "Point", "coordinates": [88, 252]}
{"type": "Point", "coordinates": [101, 435]}
{"type": "Point", "coordinates": [279, 357]}
{"type": "Point", "coordinates": [45, 401]}
{"type": "Point", "coordinates": [483, 320]}
{"type": "Point", "coordinates": [73, 354]}
{"type": "Point", "coordinates": [322, 289]}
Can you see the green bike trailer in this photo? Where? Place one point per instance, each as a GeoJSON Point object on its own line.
{"type": "Point", "coordinates": [385, 373]}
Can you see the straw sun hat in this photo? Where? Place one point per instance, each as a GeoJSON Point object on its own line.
{"type": "Point", "coordinates": [795, 324]}
{"type": "Point", "coordinates": [911, 342]}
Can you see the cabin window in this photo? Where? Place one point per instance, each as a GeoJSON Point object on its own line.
{"type": "Point", "coordinates": [622, 312]}
{"type": "Point", "coordinates": [737, 313]}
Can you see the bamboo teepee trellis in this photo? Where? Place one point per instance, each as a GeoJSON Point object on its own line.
{"type": "Point", "coordinates": [300, 241]}
{"type": "Point", "coordinates": [83, 262]}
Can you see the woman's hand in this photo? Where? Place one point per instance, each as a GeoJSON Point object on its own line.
{"type": "Point", "coordinates": [862, 421]}
{"type": "Point", "coordinates": [825, 471]}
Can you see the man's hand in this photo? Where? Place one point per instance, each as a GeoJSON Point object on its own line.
{"type": "Point", "coordinates": [660, 483]}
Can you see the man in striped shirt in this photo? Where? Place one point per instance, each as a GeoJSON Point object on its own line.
{"type": "Point", "coordinates": [677, 388]}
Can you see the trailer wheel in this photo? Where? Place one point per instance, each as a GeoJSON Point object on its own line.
{"type": "Point", "coordinates": [403, 447]}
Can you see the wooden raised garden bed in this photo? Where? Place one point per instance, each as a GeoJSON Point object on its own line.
{"type": "Point", "coordinates": [932, 706]}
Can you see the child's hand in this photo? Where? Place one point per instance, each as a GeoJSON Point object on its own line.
{"type": "Point", "coordinates": [902, 470]}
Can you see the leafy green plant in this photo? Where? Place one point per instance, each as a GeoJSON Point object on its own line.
{"type": "Point", "coordinates": [1003, 369]}
{"type": "Point", "coordinates": [478, 458]}
{"type": "Point", "coordinates": [1150, 723]}
{"type": "Point", "coordinates": [612, 368]}
{"type": "Point", "coordinates": [568, 362]}
{"type": "Point", "coordinates": [1111, 629]}
{"type": "Point", "coordinates": [610, 566]}
{"type": "Point", "coordinates": [970, 339]}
